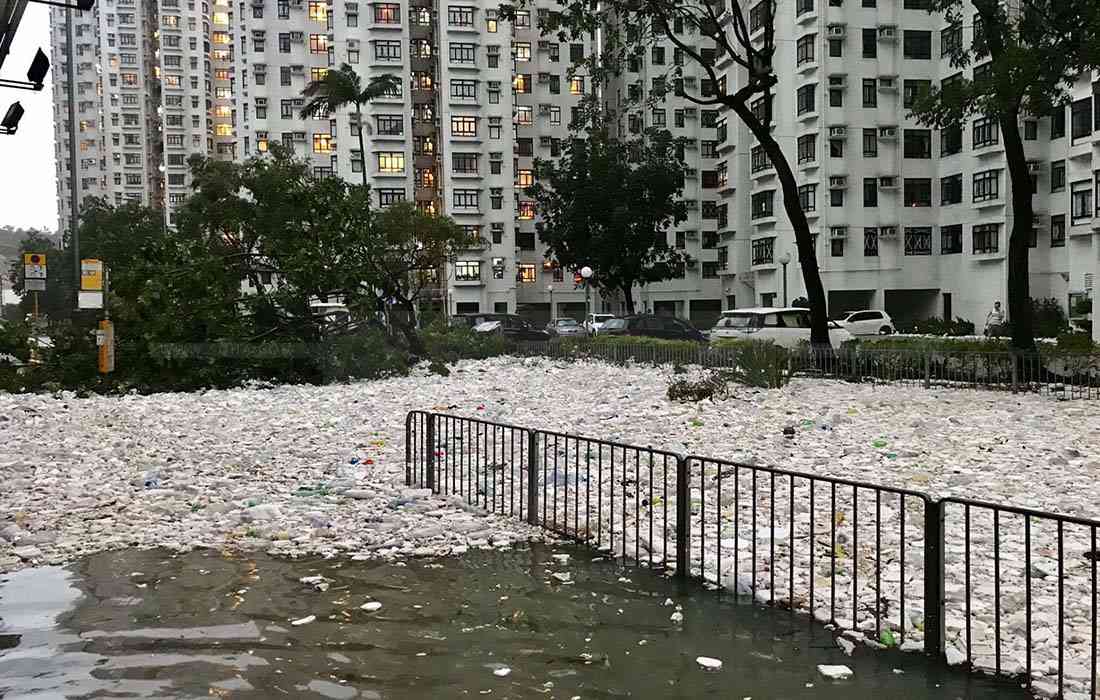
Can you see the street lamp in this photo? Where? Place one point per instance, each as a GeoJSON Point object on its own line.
{"type": "Point", "coordinates": [550, 289]}
{"type": "Point", "coordinates": [785, 260]}
{"type": "Point", "coordinates": [586, 274]}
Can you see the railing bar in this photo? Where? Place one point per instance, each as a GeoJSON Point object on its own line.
{"type": "Point", "coordinates": [637, 506]}
{"type": "Point", "coordinates": [878, 565]}
{"type": "Point", "coordinates": [1061, 612]}
{"type": "Point", "coordinates": [832, 557]}
{"type": "Point", "coordinates": [966, 545]}
{"type": "Point", "coordinates": [855, 556]}
{"type": "Point", "coordinates": [902, 587]}
{"type": "Point", "coordinates": [771, 542]}
{"type": "Point", "coordinates": [997, 588]}
{"type": "Point", "coordinates": [1027, 594]}
{"type": "Point", "coordinates": [790, 542]}
{"type": "Point", "coordinates": [754, 535]}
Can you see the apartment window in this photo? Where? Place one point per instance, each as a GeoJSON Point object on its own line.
{"type": "Point", "coordinates": [1080, 201]}
{"type": "Point", "coordinates": [870, 42]}
{"type": "Point", "coordinates": [763, 250]}
{"type": "Point", "coordinates": [951, 239]}
{"type": "Point", "coordinates": [807, 148]}
{"type": "Point", "coordinates": [1080, 118]}
{"type": "Point", "coordinates": [284, 76]}
{"type": "Point", "coordinates": [985, 132]}
{"type": "Point", "coordinates": [708, 149]}
{"type": "Point", "coordinates": [678, 118]}
{"type": "Point", "coordinates": [466, 199]}
{"type": "Point", "coordinates": [759, 159]}
{"type": "Point", "coordinates": [758, 15]}
{"type": "Point", "coordinates": [521, 50]}
{"type": "Point", "coordinates": [462, 53]}
{"type": "Point", "coordinates": [987, 185]}
{"type": "Point", "coordinates": [1058, 231]}
{"type": "Point", "coordinates": [951, 40]}
{"type": "Point", "coordinates": [805, 99]}
{"type": "Point", "coordinates": [464, 163]}
{"type": "Point", "coordinates": [322, 143]}
{"type": "Point", "coordinates": [836, 148]}
{"type": "Point", "coordinates": [762, 109]}
{"type": "Point", "coordinates": [870, 92]}
{"type": "Point", "coordinates": [464, 126]}
{"type": "Point", "coordinates": [390, 124]}
{"type": "Point", "coordinates": [918, 240]}
{"type": "Point", "coordinates": [1058, 122]}
{"type": "Point", "coordinates": [804, 49]}
{"type": "Point", "coordinates": [387, 13]}
{"type": "Point", "coordinates": [555, 114]}
{"type": "Point", "coordinates": [467, 270]}
{"type": "Point", "coordinates": [494, 127]}
{"type": "Point", "coordinates": [870, 242]}
{"type": "Point", "coordinates": [286, 109]}
{"type": "Point", "coordinates": [951, 140]}
{"type": "Point", "coordinates": [284, 9]}
{"type": "Point", "coordinates": [917, 45]}
{"type": "Point", "coordinates": [836, 48]}
{"type": "Point", "coordinates": [391, 162]}
{"type": "Point", "coordinates": [918, 192]}
{"type": "Point", "coordinates": [986, 238]}
{"type": "Point", "coordinates": [386, 197]}
{"type": "Point", "coordinates": [524, 115]}
{"type": "Point", "coordinates": [836, 198]}
{"type": "Point", "coordinates": [951, 190]}
{"type": "Point", "coordinates": [576, 86]}
{"type": "Point", "coordinates": [870, 192]}
{"type": "Point", "coordinates": [1058, 176]}
{"type": "Point", "coordinates": [681, 240]}
{"type": "Point", "coordinates": [1031, 130]}
{"type": "Point", "coordinates": [807, 197]}
{"type": "Point", "coordinates": [836, 97]}
{"type": "Point", "coordinates": [763, 204]}
{"type": "Point", "coordinates": [522, 83]}
{"type": "Point", "coordinates": [870, 143]}
{"type": "Point", "coordinates": [460, 16]}
{"type": "Point", "coordinates": [388, 50]}
{"type": "Point", "coordinates": [913, 91]}
{"type": "Point", "coordinates": [525, 178]}
{"type": "Point", "coordinates": [318, 43]}
{"type": "Point", "coordinates": [421, 81]}
{"type": "Point", "coordinates": [525, 273]}
{"type": "Point", "coordinates": [464, 89]}
{"type": "Point", "coordinates": [526, 210]}
{"type": "Point", "coordinates": [657, 54]}
{"type": "Point", "coordinates": [917, 143]}
{"type": "Point", "coordinates": [836, 247]}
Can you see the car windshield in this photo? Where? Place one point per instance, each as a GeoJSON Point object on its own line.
{"type": "Point", "coordinates": [566, 322]}
{"type": "Point", "coordinates": [613, 323]}
{"type": "Point", "coordinates": [600, 318]}
{"type": "Point", "coordinates": [737, 321]}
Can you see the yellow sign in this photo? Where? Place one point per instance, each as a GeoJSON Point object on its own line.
{"type": "Point", "coordinates": [91, 275]}
{"type": "Point", "coordinates": [105, 339]}
{"type": "Point", "coordinates": [34, 266]}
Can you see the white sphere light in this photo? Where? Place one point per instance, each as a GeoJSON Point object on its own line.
{"type": "Point", "coordinates": [586, 272]}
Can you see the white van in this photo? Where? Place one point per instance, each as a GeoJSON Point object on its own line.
{"type": "Point", "coordinates": [785, 327]}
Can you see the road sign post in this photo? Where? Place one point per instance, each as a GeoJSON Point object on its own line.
{"type": "Point", "coordinates": [34, 276]}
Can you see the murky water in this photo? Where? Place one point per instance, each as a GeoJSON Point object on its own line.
{"type": "Point", "coordinates": [150, 624]}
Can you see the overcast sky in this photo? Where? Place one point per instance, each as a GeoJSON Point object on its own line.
{"type": "Point", "coordinates": [28, 193]}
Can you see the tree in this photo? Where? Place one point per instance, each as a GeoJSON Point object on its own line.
{"type": "Point", "coordinates": [58, 300]}
{"type": "Point", "coordinates": [608, 203]}
{"type": "Point", "coordinates": [343, 87]}
{"type": "Point", "coordinates": [630, 26]}
{"type": "Point", "coordinates": [1037, 50]}
{"type": "Point", "coordinates": [408, 250]}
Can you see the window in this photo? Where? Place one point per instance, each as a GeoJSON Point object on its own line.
{"type": "Point", "coordinates": [1080, 201]}
{"type": "Point", "coordinates": [951, 40]}
{"type": "Point", "coordinates": [836, 247]}
{"type": "Point", "coordinates": [870, 242]}
{"type": "Point", "coordinates": [836, 148]}
{"type": "Point", "coordinates": [987, 185]}
{"type": "Point", "coordinates": [870, 192]}
{"type": "Point", "coordinates": [763, 251]}
{"type": "Point", "coordinates": [284, 9]}
{"type": "Point", "coordinates": [322, 143]}
{"type": "Point", "coordinates": [387, 50]}
{"type": "Point", "coordinates": [870, 92]}
{"type": "Point", "coordinates": [467, 270]}
{"type": "Point", "coordinates": [462, 53]}
{"type": "Point", "coordinates": [1058, 122]}
{"type": "Point", "coordinates": [284, 75]}
{"type": "Point", "coordinates": [464, 126]}
{"type": "Point", "coordinates": [951, 190]}
{"type": "Point", "coordinates": [576, 86]}
{"type": "Point", "coordinates": [807, 148]}
{"type": "Point", "coordinates": [986, 238]}
{"type": "Point", "coordinates": [870, 143]}
{"type": "Point", "coordinates": [524, 114]}
{"type": "Point", "coordinates": [1058, 176]}
{"type": "Point", "coordinates": [836, 198]}
{"type": "Point", "coordinates": [386, 197]}
{"type": "Point", "coordinates": [1058, 231]}
{"type": "Point", "coordinates": [758, 159]}
{"type": "Point", "coordinates": [1080, 118]}
{"type": "Point", "coordinates": [913, 91]}
{"type": "Point", "coordinates": [490, 21]}
{"type": "Point", "coordinates": [387, 13]}
{"type": "Point", "coordinates": [390, 124]}
{"type": "Point", "coordinates": [525, 178]}
{"type": "Point", "coordinates": [918, 240]}
{"type": "Point", "coordinates": [836, 97]}
{"type": "Point", "coordinates": [464, 163]}
{"type": "Point", "coordinates": [1031, 130]}
{"type": "Point", "coordinates": [466, 199]}
{"type": "Point", "coordinates": [525, 273]}
{"type": "Point", "coordinates": [870, 42]}
{"type": "Point", "coordinates": [807, 197]}
{"type": "Point", "coordinates": [917, 143]}
{"type": "Point", "coordinates": [951, 239]}
{"type": "Point", "coordinates": [985, 132]}
{"type": "Point", "coordinates": [758, 15]}
{"type": "Point", "coordinates": [522, 83]}
{"type": "Point", "coordinates": [762, 204]}
{"type": "Point", "coordinates": [836, 48]}
{"type": "Point", "coordinates": [318, 43]}
{"type": "Point", "coordinates": [917, 45]}
{"type": "Point", "coordinates": [918, 192]}
{"type": "Point", "coordinates": [391, 162]}
{"type": "Point", "coordinates": [460, 16]}
{"type": "Point", "coordinates": [804, 49]}
{"type": "Point", "coordinates": [805, 99]}
{"type": "Point", "coordinates": [951, 140]}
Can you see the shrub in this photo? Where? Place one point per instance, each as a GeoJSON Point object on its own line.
{"type": "Point", "coordinates": [713, 386]}
{"type": "Point", "coordinates": [450, 343]}
{"type": "Point", "coordinates": [1076, 344]}
{"type": "Point", "coordinates": [939, 326]}
{"type": "Point", "coordinates": [367, 354]}
{"type": "Point", "coordinates": [1048, 318]}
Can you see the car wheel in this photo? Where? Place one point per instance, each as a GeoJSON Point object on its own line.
{"type": "Point", "coordinates": [885, 330]}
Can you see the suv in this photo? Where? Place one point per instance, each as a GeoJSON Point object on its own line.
{"type": "Point", "coordinates": [510, 325]}
{"type": "Point", "coordinates": [786, 327]}
{"type": "Point", "coordinates": [595, 322]}
{"type": "Point", "coordinates": [868, 323]}
{"type": "Point", "coordinates": [651, 326]}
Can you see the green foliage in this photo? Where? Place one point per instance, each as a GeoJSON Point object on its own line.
{"type": "Point", "coordinates": [1076, 344]}
{"type": "Point", "coordinates": [761, 364]}
{"type": "Point", "coordinates": [369, 354]}
{"type": "Point", "coordinates": [1049, 318]}
{"type": "Point", "coordinates": [452, 343]}
{"type": "Point", "coordinates": [939, 326]}
{"type": "Point", "coordinates": [15, 340]}
{"type": "Point", "coordinates": [1082, 307]}
{"type": "Point", "coordinates": [714, 387]}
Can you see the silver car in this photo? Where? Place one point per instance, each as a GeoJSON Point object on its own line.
{"type": "Point", "coordinates": [566, 327]}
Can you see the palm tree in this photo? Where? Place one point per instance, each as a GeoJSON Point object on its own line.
{"type": "Point", "coordinates": [343, 87]}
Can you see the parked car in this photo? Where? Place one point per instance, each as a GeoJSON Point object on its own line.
{"type": "Point", "coordinates": [868, 322]}
{"type": "Point", "coordinates": [566, 328]}
{"type": "Point", "coordinates": [510, 325]}
{"type": "Point", "coordinates": [651, 326]}
{"type": "Point", "coordinates": [594, 322]}
{"type": "Point", "coordinates": [786, 327]}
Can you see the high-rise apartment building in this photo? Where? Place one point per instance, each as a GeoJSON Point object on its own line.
{"type": "Point", "coordinates": [906, 218]}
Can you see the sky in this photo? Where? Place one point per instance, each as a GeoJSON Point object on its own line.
{"type": "Point", "coordinates": [28, 190]}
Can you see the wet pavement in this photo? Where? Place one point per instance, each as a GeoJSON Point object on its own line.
{"type": "Point", "coordinates": [512, 624]}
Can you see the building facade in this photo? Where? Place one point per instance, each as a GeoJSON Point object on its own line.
{"type": "Point", "coordinates": [906, 218]}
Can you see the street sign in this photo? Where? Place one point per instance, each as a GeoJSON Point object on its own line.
{"type": "Point", "coordinates": [105, 339]}
{"type": "Point", "coordinates": [33, 285]}
{"type": "Point", "coordinates": [91, 275]}
{"type": "Point", "coordinates": [34, 266]}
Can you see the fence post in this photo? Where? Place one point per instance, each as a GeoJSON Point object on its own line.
{"type": "Point", "coordinates": [429, 453]}
{"type": "Point", "coordinates": [409, 439]}
{"type": "Point", "coordinates": [683, 518]}
{"type": "Point", "coordinates": [532, 477]}
{"type": "Point", "coordinates": [1015, 370]}
{"type": "Point", "coordinates": [927, 370]}
{"type": "Point", "coordinates": [933, 577]}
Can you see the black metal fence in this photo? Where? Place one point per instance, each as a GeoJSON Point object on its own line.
{"type": "Point", "coordinates": [1006, 590]}
{"type": "Point", "coordinates": [1056, 374]}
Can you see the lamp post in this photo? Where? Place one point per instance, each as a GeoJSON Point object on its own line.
{"type": "Point", "coordinates": [550, 290]}
{"type": "Point", "coordinates": [785, 260]}
{"type": "Point", "coordinates": [586, 274]}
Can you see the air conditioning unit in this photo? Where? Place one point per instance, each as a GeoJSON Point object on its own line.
{"type": "Point", "coordinates": [1034, 166]}
{"type": "Point", "coordinates": [353, 44]}
{"type": "Point", "coordinates": [544, 109]}
{"type": "Point", "coordinates": [690, 112]}
{"type": "Point", "coordinates": [838, 182]}
{"type": "Point", "coordinates": [690, 145]}
{"type": "Point", "coordinates": [887, 232]}
{"type": "Point", "coordinates": [690, 172]}
{"type": "Point", "coordinates": [888, 83]}
{"type": "Point", "coordinates": [888, 182]}
{"type": "Point", "coordinates": [297, 37]}
{"type": "Point", "coordinates": [887, 132]}
{"type": "Point", "coordinates": [838, 232]}
{"type": "Point", "coordinates": [300, 136]}
{"type": "Point", "coordinates": [887, 32]}
{"type": "Point", "coordinates": [837, 30]}
{"type": "Point", "coordinates": [261, 101]}
{"type": "Point", "coordinates": [838, 132]}
{"type": "Point", "coordinates": [544, 78]}
{"type": "Point", "coordinates": [545, 141]}
{"type": "Point", "coordinates": [838, 80]}
{"type": "Point", "coordinates": [297, 70]}
{"type": "Point", "coordinates": [544, 45]}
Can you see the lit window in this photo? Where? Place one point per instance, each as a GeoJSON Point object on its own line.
{"type": "Point", "coordinates": [522, 50]}
{"type": "Point", "coordinates": [525, 273]}
{"type": "Point", "coordinates": [318, 43]}
{"type": "Point", "coordinates": [576, 86]}
{"type": "Point", "coordinates": [387, 13]}
{"type": "Point", "coordinates": [318, 11]}
{"type": "Point", "coordinates": [464, 126]}
{"type": "Point", "coordinates": [467, 270]}
{"type": "Point", "coordinates": [526, 210]}
{"type": "Point", "coordinates": [223, 111]}
{"type": "Point", "coordinates": [322, 143]}
{"type": "Point", "coordinates": [224, 130]}
{"type": "Point", "coordinates": [522, 83]}
{"type": "Point", "coordinates": [525, 178]}
{"type": "Point", "coordinates": [221, 18]}
{"type": "Point", "coordinates": [261, 144]}
{"type": "Point", "coordinates": [524, 115]}
{"type": "Point", "coordinates": [222, 38]}
{"type": "Point", "coordinates": [318, 73]}
{"type": "Point", "coordinates": [391, 162]}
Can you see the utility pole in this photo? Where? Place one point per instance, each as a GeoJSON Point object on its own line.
{"type": "Point", "coordinates": [74, 202]}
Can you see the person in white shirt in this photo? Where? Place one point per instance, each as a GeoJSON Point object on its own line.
{"type": "Point", "coordinates": [994, 320]}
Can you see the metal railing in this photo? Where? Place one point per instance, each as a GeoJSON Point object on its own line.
{"type": "Point", "coordinates": [1005, 590]}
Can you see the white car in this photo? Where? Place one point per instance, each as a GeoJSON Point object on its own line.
{"type": "Point", "coordinates": [595, 321]}
{"type": "Point", "coordinates": [868, 322]}
{"type": "Point", "coordinates": [786, 327]}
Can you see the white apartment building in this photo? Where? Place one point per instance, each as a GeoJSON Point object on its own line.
{"type": "Point", "coordinates": [907, 219]}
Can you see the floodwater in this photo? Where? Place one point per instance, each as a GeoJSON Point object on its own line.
{"type": "Point", "coordinates": [149, 624]}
